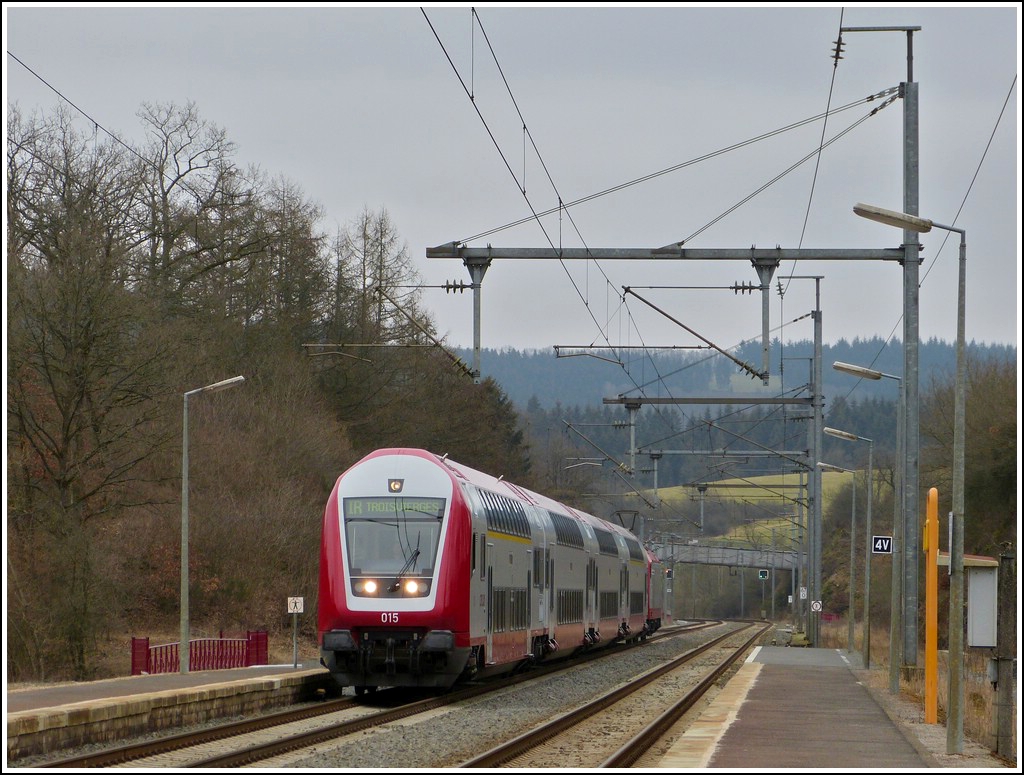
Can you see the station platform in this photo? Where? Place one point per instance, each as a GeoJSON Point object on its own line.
{"type": "Point", "coordinates": [786, 708]}
{"type": "Point", "coordinates": [46, 719]}
{"type": "Point", "coordinates": [797, 708]}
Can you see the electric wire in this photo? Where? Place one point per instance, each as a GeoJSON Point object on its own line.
{"type": "Point", "coordinates": [508, 166]}
{"type": "Point", "coordinates": [677, 167]}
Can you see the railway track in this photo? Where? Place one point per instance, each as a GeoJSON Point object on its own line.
{"type": "Point", "coordinates": [254, 740]}
{"type": "Point", "coordinates": [592, 735]}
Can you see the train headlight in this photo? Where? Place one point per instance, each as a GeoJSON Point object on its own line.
{"type": "Point", "coordinates": [369, 587]}
{"type": "Point", "coordinates": [412, 587]}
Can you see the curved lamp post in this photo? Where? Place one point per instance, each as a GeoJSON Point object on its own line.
{"type": "Point", "coordinates": [867, 536]}
{"type": "Point", "coordinates": [183, 646]}
{"type": "Point", "coordinates": [899, 510]}
{"type": "Point", "coordinates": [955, 717]}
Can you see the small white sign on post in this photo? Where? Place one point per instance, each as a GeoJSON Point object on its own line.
{"type": "Point", "coordinates": [295, 608]}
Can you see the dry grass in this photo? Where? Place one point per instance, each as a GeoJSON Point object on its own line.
{"type": "Point", "coordinates": [979, 694]}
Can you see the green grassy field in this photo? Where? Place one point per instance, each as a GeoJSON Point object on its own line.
{"type": "Point", "coordinates": [740, 490]}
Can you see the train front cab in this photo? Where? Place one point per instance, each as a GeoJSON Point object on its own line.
{"type": "Point", "coordinates": [393, 579]}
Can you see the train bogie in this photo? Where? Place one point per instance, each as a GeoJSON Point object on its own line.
{"type": "Point", "coordinates": [431, 572]}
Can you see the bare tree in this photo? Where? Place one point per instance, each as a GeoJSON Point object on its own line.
{"type": "Point", "coordinates": [84, 371]}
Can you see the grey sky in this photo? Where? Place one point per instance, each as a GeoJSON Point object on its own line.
{"type": "Point", "coordinates": [361, 108]}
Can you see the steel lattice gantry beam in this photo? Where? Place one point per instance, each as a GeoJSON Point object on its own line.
{"type": "Point", "coordinates": [733, 557]}
{"type": "Point", "coordinates": [668, 253]}
{"type": "Point", "coordinates": [764, 261]}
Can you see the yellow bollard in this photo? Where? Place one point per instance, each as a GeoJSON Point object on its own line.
{"type": "Point", "coordinates": [931, 609]}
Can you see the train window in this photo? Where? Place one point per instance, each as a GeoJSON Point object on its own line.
{"type": "Point", "coordinates": [472, 565]}
{"type": "Point", "coordinates": [636, 602]}
{"type": "Point", "coordinates": [608, 605]}
{"type": "Point", "coordinates": [483, 555]}
{"type": "Point", "coordinates": [500, 609]}
{"type": "Point", "coordinates": [503, 519]}
{"type": "Point", "coordinates": [505, 515]}
{"type": "Point", "coordinates": [635, 552]}
{"type": "Point", "coordinates": [392, 534]}
{"type": "Point", "coordinates": [567, 531]}
{"type": "Point", "coordinates": [488, 510]}
{"type": "Point", "coordinates": [606, 542]}
{"type": "Point", "coordinates": [570, 606]}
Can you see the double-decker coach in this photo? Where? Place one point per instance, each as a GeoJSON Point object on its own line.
{"type": "Point", "coordinates": [431, 571]}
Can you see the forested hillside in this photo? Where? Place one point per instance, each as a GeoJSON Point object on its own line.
{"type": "Point", "coordinates": [585, 378]}
{"type": "Point", "coordinates": [136, 275]}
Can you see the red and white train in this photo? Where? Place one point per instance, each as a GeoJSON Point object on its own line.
{"type": "Point", "coordinates": [431, 571]}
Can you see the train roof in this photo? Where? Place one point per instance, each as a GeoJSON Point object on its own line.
{"type": "Point", "coordinates": [460, 471]}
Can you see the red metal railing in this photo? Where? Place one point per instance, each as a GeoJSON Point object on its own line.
{"type": "Point", "coordinates": [204, 654]}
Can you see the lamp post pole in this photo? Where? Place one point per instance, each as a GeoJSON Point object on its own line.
{"type": "Point", "coordinates": [955, 706]}
{"type": "Point", "coordinates": [851, 622]}
{"type": "Point", "coordinates": [183, 645]}
{"type": "Point", "coordinates": [955, 719]}
{"type": "Point", "coordinates": [867, 558]}
{"type": "Point", "coordinates": [895, 602]}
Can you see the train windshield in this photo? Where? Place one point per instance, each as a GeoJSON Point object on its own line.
{"type": "Point", "coordinates": [393, 535]}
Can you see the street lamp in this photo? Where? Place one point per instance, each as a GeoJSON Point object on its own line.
{"type": "Point", "coordinates": [899, 512]}
{"type": "Point", "coordinates": [853, 532]}
{"type": "Point", "coordinates": [184, 652]}
{"type": "Point", "coordinates": [867, 536]}
{"type": "Point", "coordinates": [955, 713]}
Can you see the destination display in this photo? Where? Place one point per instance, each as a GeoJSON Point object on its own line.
{"type": "Point", "coordinates": [356, 508]}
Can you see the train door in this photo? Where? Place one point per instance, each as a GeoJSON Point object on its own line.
{"type": "Point", "coordinates": [489, 642]}
{"type": "Point", "coordinates": [592, 612]}
{"type": "Point", "coordinates": [623, 591]}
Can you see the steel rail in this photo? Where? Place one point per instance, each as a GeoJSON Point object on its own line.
{"type": "Point", "coordinates": [518, 746]}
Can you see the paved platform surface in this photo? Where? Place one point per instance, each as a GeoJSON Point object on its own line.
{"type": "Point", "coordinates": [35, 697]}
{"type": "Point", "coordinates": [803, 708]}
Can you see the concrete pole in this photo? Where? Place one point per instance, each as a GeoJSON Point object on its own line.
{"type": "Point", "coordinates": [477, 268]}
{"type": "Point", "coordinates": [896, 578]}
{"type": "Point", "coordinates": [817, 403]}
{"type": "Point", "coordinates": [867, 558]}
{"type": "Point", "coordinates": [1006, 656]}
{"type": "Point", "coordinates": [852, 608]}
{"type": "Point", "coordinates": [955, 706]}
{"type": "Point", "coordinates": [931, 616]}
{"type": "Point", "coordinates": [183, 642]}
{"type": "Point", "coordinates": [911, 342]}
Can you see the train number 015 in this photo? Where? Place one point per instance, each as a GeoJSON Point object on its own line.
{"type": "Point", "coordinates": [389, 618]}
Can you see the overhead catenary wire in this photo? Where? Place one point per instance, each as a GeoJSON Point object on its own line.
{"type": "Point", "coordinates": [521, 186]}
{"type": "Point", "coordinates": [681, 165]}
{"type": "Point", "coordinates": [889, 94]}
